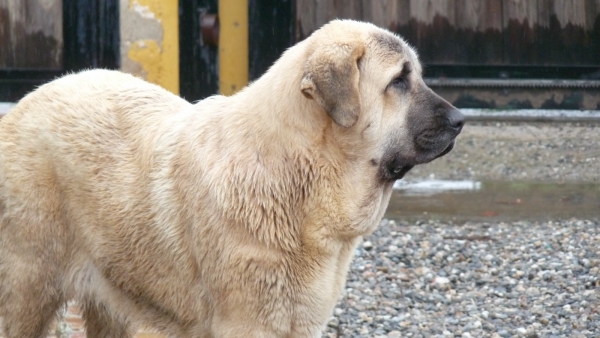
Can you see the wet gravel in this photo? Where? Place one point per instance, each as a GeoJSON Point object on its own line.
{"type": "Point", "coordinates": [435, 279]}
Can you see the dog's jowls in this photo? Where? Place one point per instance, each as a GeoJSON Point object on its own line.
{"type": "Point", "coordinates": [233, 217]}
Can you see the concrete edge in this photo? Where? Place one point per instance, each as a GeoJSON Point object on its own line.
{"type": "Point", "coordinates": [531, 115]}
{"type": "Point", "coordinates": [5, 107]}
{"type": "Point", "coordinates": [513, 83]}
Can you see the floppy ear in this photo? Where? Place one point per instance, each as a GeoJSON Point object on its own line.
{"type": "Point", "coordinates": [331, 78]}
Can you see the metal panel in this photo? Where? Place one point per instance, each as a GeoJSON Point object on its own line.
{"type": "Point", "coordinates": [91, 31]}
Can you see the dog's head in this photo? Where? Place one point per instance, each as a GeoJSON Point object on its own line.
{"type": "Point", "coordinates": [369, 81]}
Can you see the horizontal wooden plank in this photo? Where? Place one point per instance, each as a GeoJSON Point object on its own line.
{"type": "Point", "coordinates": [477, 32]}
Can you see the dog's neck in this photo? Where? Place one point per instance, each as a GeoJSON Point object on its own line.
{"type": "Point", "coordinates": [288, 154]}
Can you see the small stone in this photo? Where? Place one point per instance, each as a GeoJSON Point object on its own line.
{"type": "Point", "coordinates": [504, 333]}
{"type": "Point", "coordinates": [367, 245]}
{"type": "Point", "coordinates": [441, 280]}
{"type": "Point", "coordinates": [500, 315]}
{"type": "Point", "coordinates": [403, 277]}
{"type": "Point", "coordinates": [383, 269]}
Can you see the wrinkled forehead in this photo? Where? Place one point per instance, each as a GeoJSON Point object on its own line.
{"type": "Point", "coordinates": [389, 48]}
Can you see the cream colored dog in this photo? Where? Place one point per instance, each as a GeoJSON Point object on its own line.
{"type": "Point", "coordinates": [233, 217]}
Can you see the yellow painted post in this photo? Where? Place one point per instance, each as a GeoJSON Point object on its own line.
{"type": "Point", "coordinates": [171, 45]}
{"type": "Point", "coordinates": [159, 58]}
{"type": "Point", "coordinates": [233, 45]}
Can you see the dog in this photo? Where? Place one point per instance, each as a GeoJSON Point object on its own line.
{"type": "Point", "coordinates": [231, 217]}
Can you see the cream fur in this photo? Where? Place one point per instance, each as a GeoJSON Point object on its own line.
{"type": "Point", "coordinates": [233, 217]}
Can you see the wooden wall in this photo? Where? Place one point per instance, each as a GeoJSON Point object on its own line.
{"type": "Point", "coordinates": [31, 34]}
{"type": "Point", "coordinates": [476, 32]}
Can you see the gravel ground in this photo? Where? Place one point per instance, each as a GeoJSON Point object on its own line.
{"type": "Point", "coordinates": [433, 278]}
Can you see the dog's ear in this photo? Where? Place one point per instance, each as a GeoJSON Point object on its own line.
{"type": "Point", "coordinates": [331, 78]}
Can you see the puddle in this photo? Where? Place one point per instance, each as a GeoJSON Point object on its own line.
{"type": "Point", "coordinates": [462, 201]}
{"type": "Point", "coordinates": [432, 187]}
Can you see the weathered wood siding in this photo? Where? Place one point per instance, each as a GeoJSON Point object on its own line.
{"type": "Point", "coordinates": [31, 34]}
{"type": "Point", "coordinates": [476, 32]}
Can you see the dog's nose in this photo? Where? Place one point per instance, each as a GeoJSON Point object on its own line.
{"type": "Point", "coordinates": [456, 119]}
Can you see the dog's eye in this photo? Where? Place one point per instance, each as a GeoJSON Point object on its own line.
{"type": "Point", "coordinates": [400, 82]}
